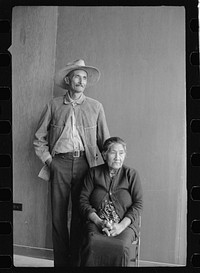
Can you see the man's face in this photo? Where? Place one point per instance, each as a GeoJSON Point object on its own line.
{"type": "Point", "coordinates": [115, 156]}
{"type": "Point", "coordinates": [78, 81]}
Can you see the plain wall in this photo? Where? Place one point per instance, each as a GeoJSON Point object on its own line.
{"type": "Point", "coordinates": [33, 64]}
{"type": "Point", "coordinates": [140, 52]}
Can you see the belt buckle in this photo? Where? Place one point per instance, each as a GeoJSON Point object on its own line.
{"type": "Point", "coordinates": [76, 153]}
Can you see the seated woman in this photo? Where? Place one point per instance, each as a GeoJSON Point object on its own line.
{"type": "Point", "coordinates": [110, 203]}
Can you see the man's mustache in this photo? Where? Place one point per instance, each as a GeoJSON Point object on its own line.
{"type": "Point", "coordinates": [82, 85]}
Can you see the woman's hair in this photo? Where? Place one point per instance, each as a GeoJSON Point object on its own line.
{"type": "Point", "coordinates": [111, 141]}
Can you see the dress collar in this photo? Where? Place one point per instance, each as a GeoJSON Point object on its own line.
{"type": "Point", "coordinates": [108, 171]}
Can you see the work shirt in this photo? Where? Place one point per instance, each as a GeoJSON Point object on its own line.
{"type": "Point", "coordinates": [91, 126]}
{"type": "Point", "coordinates": [70, 139]}
{"type": "Point", "coordinates": [124, 190]}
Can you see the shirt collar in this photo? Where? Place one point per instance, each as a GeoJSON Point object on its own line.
{"type": "Point", "coordinates": [68, 99]}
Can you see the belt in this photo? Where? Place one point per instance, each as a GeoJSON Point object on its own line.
{"type": "Point", "coordinates": [73, 154]}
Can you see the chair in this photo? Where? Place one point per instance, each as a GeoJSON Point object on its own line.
{"type": "Point", "coordinates": [136, 247]}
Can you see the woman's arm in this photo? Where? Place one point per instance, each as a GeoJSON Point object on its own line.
{"type": "Point", "coordinates": [137, 196]}
{"type": "Point", "coordinates": [84, 204]}
{"type": "Point", "coordinates": [93, 217]}
{"type": "Point", "coordinates": [131, 215]}
{"type": "Point", "coordinates": [87, 211]}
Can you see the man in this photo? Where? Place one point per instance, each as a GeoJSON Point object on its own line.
{"type": "Point", "coordinates": [70, 129]}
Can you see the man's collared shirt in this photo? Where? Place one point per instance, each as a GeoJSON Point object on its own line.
{"type": "Point", "coordinates": [70, 139]}
{"type": "Point", "coordinates": [90, 123]}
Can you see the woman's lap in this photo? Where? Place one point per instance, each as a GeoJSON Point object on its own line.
{"type": "Point", "coordinates": [101, 250]}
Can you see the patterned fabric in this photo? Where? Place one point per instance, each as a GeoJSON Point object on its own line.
{"type": "Point", "coordinates": [107, 212]}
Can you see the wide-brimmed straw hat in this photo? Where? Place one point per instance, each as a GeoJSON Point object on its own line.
{"type": "Point", "coordinates": [93, 74]}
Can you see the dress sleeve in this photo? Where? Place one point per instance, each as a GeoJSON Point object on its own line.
{"type": "Point", "coordinates": [137, 197]}
{"type": "Point", "coordinates": [84, 203]}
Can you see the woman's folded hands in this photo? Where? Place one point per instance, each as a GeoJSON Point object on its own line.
{"type": "Point", "coordinates": [112, 229]}
{"type": "Point", "coordinates": [109, 228]}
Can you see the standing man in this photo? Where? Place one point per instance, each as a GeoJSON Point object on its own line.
{"type": "Point", "coordinates": [70, 129]}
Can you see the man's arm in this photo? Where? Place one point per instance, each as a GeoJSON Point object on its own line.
{"type": "Point", "coordinates": [41, 136]}
{"type": "Point", "coordinates": [102, 128]}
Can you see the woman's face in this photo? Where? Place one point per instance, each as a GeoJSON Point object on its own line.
{"type": "Point", "coordinates": [115, 156]}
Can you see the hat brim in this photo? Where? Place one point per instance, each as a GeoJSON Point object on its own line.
{"type": "Point", "coordinates": [93, 75]}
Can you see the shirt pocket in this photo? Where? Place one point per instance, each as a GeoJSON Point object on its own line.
{"type": "Point", "coordinates": [55, 132]}
{"type": "Point", "coordinates": [90, 135]}
{"type": "Point", "coordinates": [57, 123]}
{"type": "Point", "coordinates": [56, 127]}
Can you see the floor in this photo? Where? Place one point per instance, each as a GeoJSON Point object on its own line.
{"type": "Point", "coordinates": [24, 261]}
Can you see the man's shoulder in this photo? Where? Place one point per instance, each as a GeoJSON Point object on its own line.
{"type": "Point", "coordinates": [57, 99]}
{"type": "Point", "coordinates": [92, 101]}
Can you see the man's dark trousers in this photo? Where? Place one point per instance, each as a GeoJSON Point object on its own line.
{"type": "Point", "coordinates": [67, 174]}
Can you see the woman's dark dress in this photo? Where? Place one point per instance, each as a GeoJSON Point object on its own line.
{"type": "Point", "coordinates": [125, 194]}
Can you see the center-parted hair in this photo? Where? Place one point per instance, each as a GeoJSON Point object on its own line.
{"type": "Point", "coordinates": [111, 141]}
